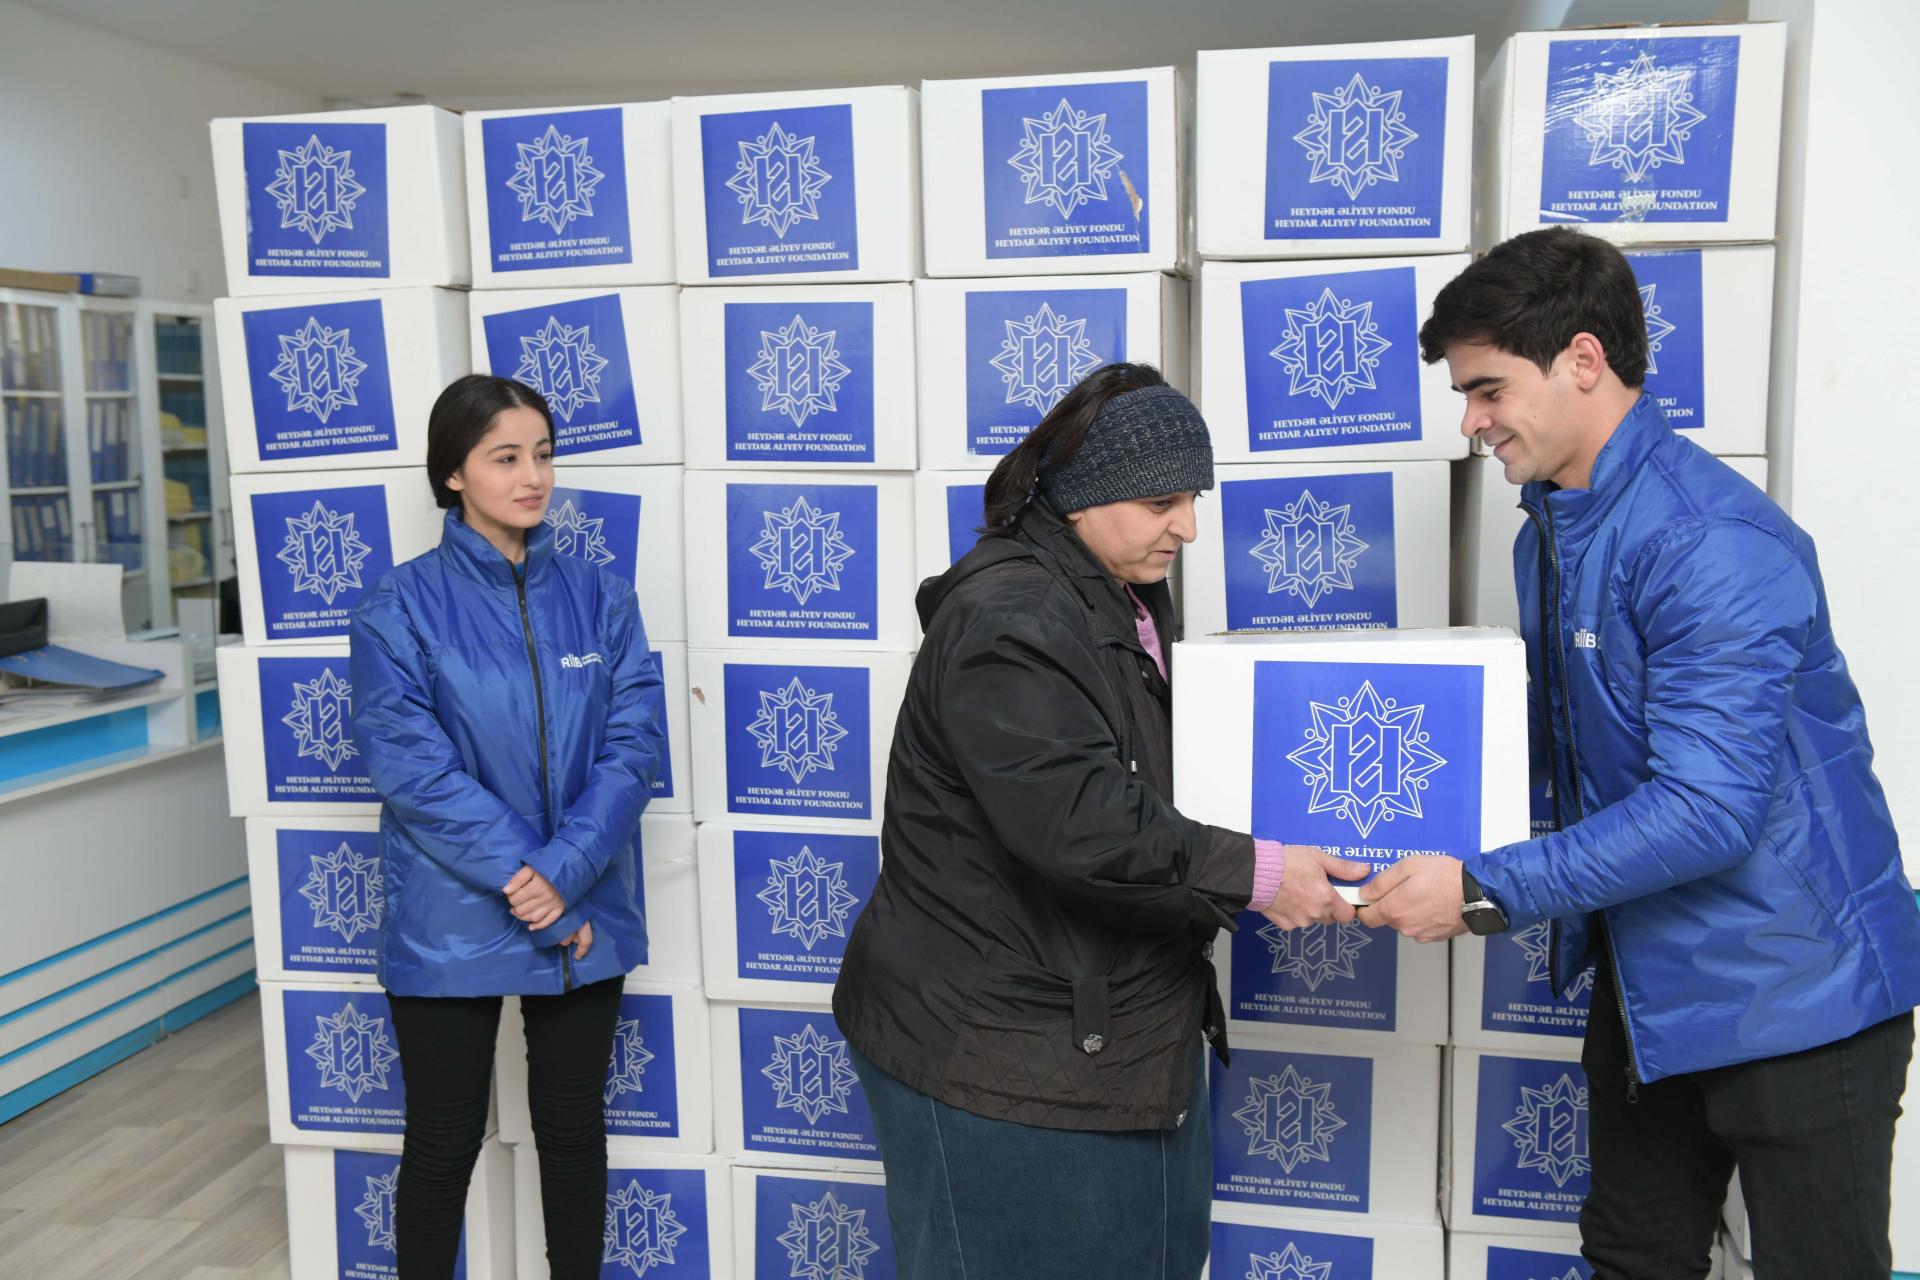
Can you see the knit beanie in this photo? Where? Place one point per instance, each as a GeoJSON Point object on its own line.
{"type": "Point", "coordinates": [1141, 444]}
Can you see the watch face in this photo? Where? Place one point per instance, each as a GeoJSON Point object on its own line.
{"type": "Point", "coordinates": [1484, 919]}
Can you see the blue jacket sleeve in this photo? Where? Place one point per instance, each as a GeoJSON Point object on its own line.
{"type": "Point", "coordinates": [601, 819]}
{"type": "Point", "coordinates": [414, 765]}
{"type": "Point", "coordinates": [1724, 609]}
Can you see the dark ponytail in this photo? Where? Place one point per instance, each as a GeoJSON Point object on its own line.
{"type": "Point", "coordinates": [1016, 481]}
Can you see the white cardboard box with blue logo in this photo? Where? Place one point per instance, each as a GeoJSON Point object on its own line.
{"type": "Point", "coordinates": [287, 714]}
{"type": "Point", "coordinates": [789, 734]}
{"type": "Point", "coordinates": [804, 186]}
{"type": "Point", "coordinates": [1309, 1246]}
{"type": "Point", "coordinates": [996, 355]}
{"type": "Point", "coordinates": [673, 788]}
{"type": "Point", "coordinates": [949, 508]}
{"type": "Point", "coordinates": [564, 196]}
{"type": "Point", "coordinates": [311, 545]}
{"type": "Point", "coordinates": [1320, 361]}
{"type": "Point", "coordinates": [785, 1093]}
{"type": "Point", "coordinates": [341, 200]}
{"type": "Point", "coordinates": [1709, 317]}
{"type": "Point", "coordinates": [1521, 1163]}
{"type": "Point", "coordinates": [798, 1222]}
{"type": "Point", "coordinates": [780, 376]}
{"type": "Point", "coordinates": [667, 1215]}
{"type": "Point", "coordinates": [800, 560]}
{"type": "Point", "coordinates": [1296, 547]}
{"type": "Point", "coordinates": [1334, 151]}
{"type": "Point", "coordinates": [778, 902]}
{"type": "Point", "coordinates": [1056, 174]}
{"type": "Point", "coordinates": [340, 1214]}
{"type": "Point", "coordinates": [658, 1091]}
{"type": "Point", "coordinates": [1510, 1257]}
{"type": "Point", "coordinates": [1643, 135]}
{"type": "Point", "coordinates": [323, 381]}
{"type": "Point", "coordinates": [670, 897]}
{"type": "Point", "coordinates": [607, 360]}
{"type": "Point", "coordinates": [318, 897]}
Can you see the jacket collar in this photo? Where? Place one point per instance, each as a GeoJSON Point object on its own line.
{"type": "Point", "coordinates": [474, 556]}
{"type": "Point", "coordinates": [1578, 512]}
{"type": "Point", "coordinates": [1060, 548]}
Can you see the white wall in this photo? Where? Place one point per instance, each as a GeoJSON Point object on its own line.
{"type": "Point", "coordinates": [103, 144]}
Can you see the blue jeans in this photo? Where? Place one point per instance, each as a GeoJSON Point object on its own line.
{"type": "Point", "coordinates": [976, 1199]}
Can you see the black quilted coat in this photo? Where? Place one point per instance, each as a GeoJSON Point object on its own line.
{"type": "Point", "coordinates": [1037, 947]}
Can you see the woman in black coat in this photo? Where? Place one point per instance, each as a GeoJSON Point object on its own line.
{"type": "Point", "coordinates": [1027, 993]}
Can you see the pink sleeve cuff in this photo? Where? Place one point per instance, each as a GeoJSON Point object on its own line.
{"type": "Point", "coordinates": [1269, 863]}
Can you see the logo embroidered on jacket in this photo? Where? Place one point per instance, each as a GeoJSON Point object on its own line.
{"type": "Point", "coordinates": [575, 661]}
{"type": "Point", "coordinates": [1585, 639]}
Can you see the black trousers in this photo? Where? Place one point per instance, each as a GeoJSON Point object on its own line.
{"type": "Point", "coordinates": [446, 1058]}
{"type": "Point", "coordinates": [1811, 1133]}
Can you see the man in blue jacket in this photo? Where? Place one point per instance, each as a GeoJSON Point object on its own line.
{"type": "Point", "coordinates": [1723, 852]}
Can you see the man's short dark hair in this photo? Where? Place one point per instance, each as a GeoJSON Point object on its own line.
{"type": "Point", "coordinates": [1530, 295]}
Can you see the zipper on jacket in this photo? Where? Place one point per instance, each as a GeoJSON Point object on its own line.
{"type": "Point", "coordinates": [540, 718]}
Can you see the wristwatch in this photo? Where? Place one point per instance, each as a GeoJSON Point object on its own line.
{"type": "Point", "coordinates": [1482, 915]}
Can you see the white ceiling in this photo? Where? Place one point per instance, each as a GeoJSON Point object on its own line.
{"type": "Point", "coordinates": [470, 53]}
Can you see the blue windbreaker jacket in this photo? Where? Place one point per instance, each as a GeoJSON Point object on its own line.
{"type": "Point", "coordinates": [1721, 830]}
{"type": "Point", "coordinates": [508, 715]}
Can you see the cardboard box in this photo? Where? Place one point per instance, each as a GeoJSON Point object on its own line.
{"type": "Point", "coordinates": [674, 1213]}
{"type": "Point", "coordinates": [777, 904]}
{"type": "Point", "coordinates": [997, 355]}
{"type": "Point", "coordinates": [1335, 151]}
{"type": "Point", "coordinates": [1320, 361]}
{"type": "Point", "coordinates": [785, 1091]}
{"type": "Point", "coordinates": [1306, 548]}
{"type": "Point", "coordinates": [287, 714]}
{"type": "Point", "coordinates": [1374, 745]}
{"type": "Point", "coordinates": [607, 360]}
{"type": "Point", "coordinates": [786, 377]}
{"type": "Point", "coordinates": [1503, 998]}
{"type": "Point", "coordinates": [659, 1091]}
{"type": "Point", "coordinates": [796, 560]}
{"type": "Point", "coordinates": [340, 1219]}
{"type": "Point", "coordinates": [791, 1222]}
{"type": "Point", "coordinates": [333, 1066]}
{"type": "Point", "coordinates": [949, 508]}
{"type": "Point", "coordinates": [310, 545]}
{"type": "Point", "coordinates": [341, 200]}
{"type": "Point", "coordinates": [1340, 984]}
{"type": "Point", "coordinates": [1478, 1257]}
{"type": "Point", "coordinates": [1328, 1130]}
{"type": "Point", "coordinates": [321, 381]}
{"type": "Point", "coordinates": [318, 898]}
{"type": "Point", "coordinates": [670, 896]}
{"type": "Point", "coordinates": [1310, 1246]}
{"type": "Point", "coordinates": [1709, 319]}
{"type": "Point", "coordinates": [1642, 135]}
{"type": "Point", "coordinates": [1521, 1162]}
{"type": "Point", "coordinates": [569, 196]}
{"type": "Point", "coordinates": [1906, 1185]}
{"type": "Point", "coordinates": [809, 185]}
{"type": "Point", "coordinates": [673, 790]}
{"type": "Point", "coordinates": [785, 735]}
{"type": "Point", "coordinates": [1053, 174]}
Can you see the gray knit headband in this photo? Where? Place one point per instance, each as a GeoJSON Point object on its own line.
{"type": "Point", "coordinates": [1141, 444]}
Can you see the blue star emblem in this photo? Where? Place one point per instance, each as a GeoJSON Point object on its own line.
{"type": "Point", "coordinates": [641, 1229]}
{"type": "Point", "coordinates": [808, 898]}
{"type": "Point", "coordinates": [1659, 328]}
{"type": "Point", "coordinates": [1549, 1130]}
{"type": "Point", "coordinates": [811, 1074]}
{"type": "Point", "coordinates": [346, 892]}
{"type": "Point", "coordinates": [319, 720]}
{"type": "Point", "coordinates": [797, 731]}
{"type": "Point", "coordinates": [1367, 758]}
{"type": "Point", "coordinates": [1356, 137]}
{"type": "Point", "coordinates": [1640, 118]}
{"type": "Point", "coordinates": [318, 370]}
{"type": "Point", "coordinates": [827, 1240]}
{"type": "Point", "coordinates": [1043, 356]}
{"type": "Point", "coordinates": [324, 552]}
{"type": "Point", "coordinates": [554, 179]}
{"type": "Point", "coordinates": [778, 181]}
{"type": "Point", "coordinates": [1316, 954]}
{"type": "Point", "coordinates": [627, 1069]}
{"type": "Point", "coordinates": [1536, 944]}
{"type": "Point", "coordinates": [577, 534]}
{"type": "Point", "coordinates": [1287, 1264]}
{"type": "Point", "coordinates": [1066, 158]}
{"type": "Point", "coordinates": [560, 362]}
{"type": "Point", "coordinates": [1289, 1119]}
{"type": "Point", "coordinates": [376, 1209]}
{"type": "Point", "coordinates": [352, 1052]}
{"type": "Point", "coordinates": [802, 550]}
{"type": "Point", "coordinates": [1332, 348]}
{"type": "Point", "coordinates": [799, 371]}
{"type": "Point", "coordinates": [1309, 549]}
{"type": "Point", "coordinates": [315, 188]}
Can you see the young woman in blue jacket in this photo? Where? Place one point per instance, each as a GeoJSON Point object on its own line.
{"type": "Point", "coordinates": [511, 717]}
